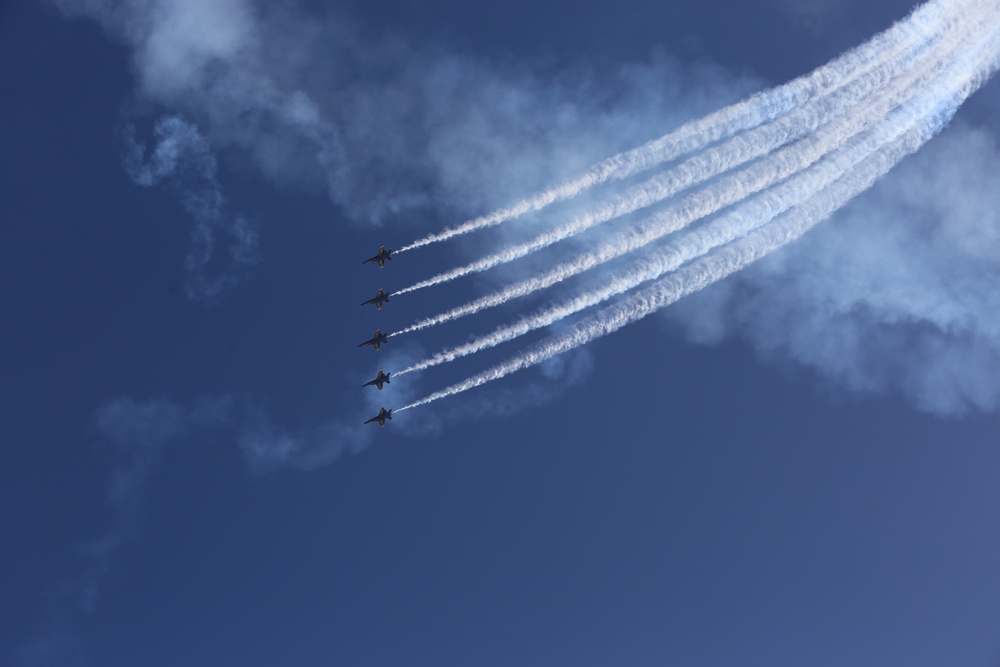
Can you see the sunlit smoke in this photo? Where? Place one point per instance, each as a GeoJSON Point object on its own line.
{"type": "Point", "coordinates": [711, 162]}
{"type": "Point", "coordinates": [697, 134]}
{"type": "Point", "coordinates": [928, 113]}
{"type": "Point", "coordinates": [725, 192]}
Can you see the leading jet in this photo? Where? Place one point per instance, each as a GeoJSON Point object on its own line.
{"type": "Point", "coordinates": [382, 415]}
{"type": "Point", "coordinates": [380, 298]}
{"type": "Point", "coordinates": [382, 255]}
{"type": "Point", "coordinates": [376, 340]}
{"type": "Point", "coordinates": [382, 378]}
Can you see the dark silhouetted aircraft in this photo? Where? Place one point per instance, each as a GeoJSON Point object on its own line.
{"type": "Point", "coordinates": [382, 415]}
{"type": "Point", "coordinates": [382, 255]}
{"type": "Point", "coordinates": [381, 297]}
{"type": "Point", "coordinates": [382, 378]}
{"type": "Point", "coordinates": [376, 340]}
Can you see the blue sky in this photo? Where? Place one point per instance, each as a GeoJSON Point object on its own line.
{"type": "Point", "coordinates": [792, 467]}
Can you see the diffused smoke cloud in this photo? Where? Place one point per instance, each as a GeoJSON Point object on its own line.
{"type": "Point", "coordinates": [183, 159]}
{"type": "Point", "coordinates": [384, 127]}
{"type": "Point", "coordinates": [896, 293]}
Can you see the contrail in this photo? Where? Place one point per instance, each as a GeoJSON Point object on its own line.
{"type": "Point", "coordinates": [695, 135]}
{"type": "Point", "coordinates": [708, 164]}
{"type": "Point", "coordinates": [738, 222]}
{"type": "Point", "coordinates": [928, 115]}
{"type": "Point", "coordinates": [729, 190]}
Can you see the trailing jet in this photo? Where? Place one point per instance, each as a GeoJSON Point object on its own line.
{"type": "Point", "coordinates": [382, 378]}
{"type": "Point", "coordinates": [382, 255]}
{"type": "Point", "coordinates": [382, 415]}
{"type": "Point", "coordinates": [376, 340]}
{"type": "Point", "coordinates": [381, 297]}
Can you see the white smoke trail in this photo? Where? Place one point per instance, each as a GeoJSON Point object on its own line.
{"type": "Point", "coordinates": [710, 163]}
{"type": "Point", "coordinates": [746, 217]}
{"type": "Point", "coordinates": [929, 113]}
{"type": "Point", "coordinates": [733, 225]}
{"type": "Point", "coordinates": [728, 190]}
{"type": "Point", "coordinates": [695, 135]}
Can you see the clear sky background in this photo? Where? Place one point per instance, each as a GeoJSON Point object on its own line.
{"type": "Point", "coordinates": [784, 470]}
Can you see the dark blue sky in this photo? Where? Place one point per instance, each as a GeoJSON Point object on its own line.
{"type": "Point", "coordinates": [665, 503]}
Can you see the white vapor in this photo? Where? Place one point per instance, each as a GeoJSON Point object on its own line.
{"type": "Point", "coordinates": [929, 112]}
{"type": "Point", "coordinates": [896, 296]}
{"type": "Point", "coordinates": [719, 159]}
{"type": "Point", "coordinates": [183, 159]}
{"type": "Point", "coordinates": [737, 223]}
{"type": "Point", "coordinates": [698, 134]}
{"type": "Point", "coordinates": [315, 102]}
{"type": "Point", "coordinates": [723, 193]}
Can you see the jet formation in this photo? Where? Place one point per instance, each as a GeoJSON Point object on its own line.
{"type": "Point", "coordinates": [376, 341]}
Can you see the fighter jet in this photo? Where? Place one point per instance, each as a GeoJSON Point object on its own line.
{"type": "Point", "coordinates": [376, 340]}
{"type": "Point", "coordinates": [382, 255]}
{"type": "Point", "coordinates": [381, 297]}
{"type": "Point", "coordinates": [382, 415]}
{"type": "Point", "coordinates": [382, 378]}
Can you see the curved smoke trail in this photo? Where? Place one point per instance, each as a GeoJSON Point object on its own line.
{"type": "Point", "coordinates": [928, 114]}
{"type": "Point", "coordinates": [729, 190]}
{"type": "Point", "coordinates": [697, 134]}
{"type": "Point", "coordinates": [737, 223]}
{"type": "Point", "coordinates": [708, 164]}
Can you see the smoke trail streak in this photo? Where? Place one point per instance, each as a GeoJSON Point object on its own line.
{"type": "Point", "coordinates": [733, 225]}
{"type": "Point", "coordinates": [710, 163]}
{"type": "Point", "coordinates": [726, 192]}
{"type": "Point", "coordinates": [738, 222]}
{"type": "Point", "coordinates": [935, 108]}
{"type": "Point", "coordinates": [695, 135]}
